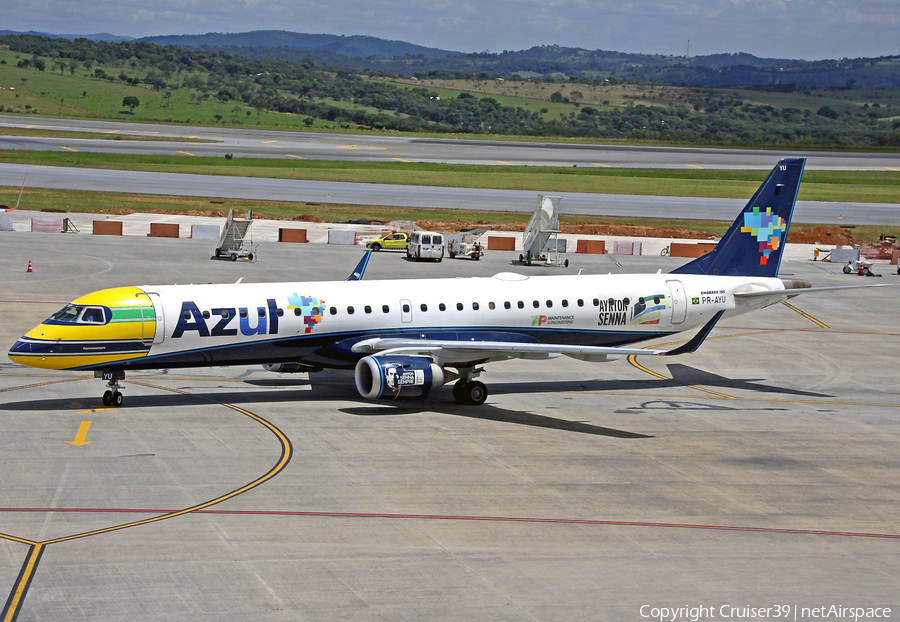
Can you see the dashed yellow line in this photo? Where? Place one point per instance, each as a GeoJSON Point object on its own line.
{"type": "Point", "coordinates": [188, 153]}
{"type": "Point", "coordinates": [502, 162]}
{"type": "Point", "coordinates": [40, 384]}
{"type": "Point", "coordinates": [69, 149]}
{"type": "Point", "coordinates": [400, 160]}
{"type": "Point", "coordinates": [892, 169]}
{"type": "Point", "coordinates": [190, 137]}
{"type": "Point", "coordinates": [269, 142]}
{"type": "Point", "coordinates": [695, 166]}
{"type": "Point", "coordinates": [30, 127]}
{"type": "Point", "coordinates": [600, 164]}
{"type": "Point", "coordinates": [112, 131]}
{"type": "Point", "coordinates": [295, 157]}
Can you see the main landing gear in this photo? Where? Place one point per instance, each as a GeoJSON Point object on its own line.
{"type": "Point", "coordinates": [113, 395]}
{"type": "Point", "coordinates": [472, 393]}
{"type": "Point", "coordinates": [469, 391]}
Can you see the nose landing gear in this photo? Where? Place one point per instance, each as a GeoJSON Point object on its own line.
{"type": "Point", "coordinates": [113, 395]}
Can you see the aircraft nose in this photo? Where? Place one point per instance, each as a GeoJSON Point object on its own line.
{"type": "Point", "coordinates": [21, 346]}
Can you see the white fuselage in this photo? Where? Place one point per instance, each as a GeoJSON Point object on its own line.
{"type": "Point", "coordinates": [320, 321]}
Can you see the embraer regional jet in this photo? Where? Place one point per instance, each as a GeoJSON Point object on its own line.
{"type": "Point", "coordinates": [437, 331]}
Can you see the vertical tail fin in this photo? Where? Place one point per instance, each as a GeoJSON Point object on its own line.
{"type": "Point", "coordinates": [752, 245]}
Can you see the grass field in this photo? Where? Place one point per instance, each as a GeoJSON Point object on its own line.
{"type": "Point", "coordinates": [855, 186]}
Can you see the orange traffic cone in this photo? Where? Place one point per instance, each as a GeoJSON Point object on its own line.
{"type": "Point", "coordinates": [29, 267]}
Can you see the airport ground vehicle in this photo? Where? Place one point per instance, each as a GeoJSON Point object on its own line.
{"type": "Point", "coordinates": [392, 241]}
{"type": "Point", "coordinates": [425, 245]}
{"type": "Point", "coordinates": [462, 248]}
{"type": "Point", "coordinates": [860, 267]}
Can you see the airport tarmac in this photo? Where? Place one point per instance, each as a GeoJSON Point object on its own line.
{"type": "Point", "coordinates": [760, 471]}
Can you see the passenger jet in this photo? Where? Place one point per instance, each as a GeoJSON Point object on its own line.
{"type": "Point", "coordinates": [436, 331]}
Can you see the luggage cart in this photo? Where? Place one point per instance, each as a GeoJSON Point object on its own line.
{"type": "Point", "coordinates": [235, 237]}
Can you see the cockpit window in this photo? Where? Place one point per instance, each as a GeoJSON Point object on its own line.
{"type": "Point", "coordinates": [93, 315]}
{"type": "Point", "coordinates": [69, 313]}
{"type": "Point", "coordinates": [79, 314]}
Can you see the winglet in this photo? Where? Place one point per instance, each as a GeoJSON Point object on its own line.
{"type": "Point", "coordinates": [694, 343]}
{"type": "Point", "coordinates": [360, 268]}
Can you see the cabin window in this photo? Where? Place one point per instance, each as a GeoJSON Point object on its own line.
{"type": "Point", "coordinates": [332, 310]}
{"type": "Point", "coordinates": [442, 307]}
{"type": "Point", "coordinates": [243, 313]}
{"type": "Point", "coordinates": [596, 302]}
{"type": "Point", "coordinates": [475, 306]}
{"type": "Point", "coordinates": [580, 302]}
{"type": "Point", "coordinates": [405, 308]}
{"type": "Point", "coordinates": [535, 304]}
{"type": "Point", "coordinates": [206, 315]}
{"type": "Point", "coordinates": [298, 311]}
{"type": "Point", "coordinates": [549, 303]}
{"type": "Point", "coordinates": [262, 311]}
{"type": "Point", "coordinates": [506, 305]}
{"type": "Point", "coordinates": [491, 306]}
{"type": "Point", "coordinates": [226, 314]}
{"type": "Point", "coordinates": [385, 309]}
{"type": "Point", "coordinates": [423, 307]}
{"type": "Point", "coordinates": [279, 312]}
{"type": "Point", "coordinates": [350, 310]}
{"type": "Point", "coordinates": [367, 309]}
{"type": "Point", "coordinates": [187, 315]}
{"type": "Point", "coordinates": [459, 306]}
{"type": "Point", "coordinates": [565, 302]}
{"type": "Point", "coordinates": [521, 304]}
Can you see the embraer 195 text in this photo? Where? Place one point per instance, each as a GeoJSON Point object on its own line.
{"type": "Point", "coordinates": [439, 330]}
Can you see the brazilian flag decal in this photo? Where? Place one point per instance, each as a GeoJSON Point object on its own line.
{"type": "Point", "coordinates": [695, 301]}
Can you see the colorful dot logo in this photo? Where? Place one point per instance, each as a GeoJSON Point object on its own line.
{"type": "Point", "coordinates": [310, 308]}
{"type": "Point", "coordinates": [767, 229]}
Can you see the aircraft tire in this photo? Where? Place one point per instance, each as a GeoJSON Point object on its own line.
{"type": "Point", "coordinates": [117, 399]}
{"type": "Point", "coordinates": [107, 398]}
{"type": "Point", "coordinates": [470, 393]}
{"type": "Point", "coordinates": [234, 258]}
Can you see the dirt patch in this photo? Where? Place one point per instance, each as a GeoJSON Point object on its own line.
{"type": "Point", "coordinates": [583, 228]}
{"type": "Point", "coordinates": [823, 235]}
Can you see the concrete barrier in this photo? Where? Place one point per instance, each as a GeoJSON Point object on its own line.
{"type": "Point", "coordinates": [895, 255]}
{"type": "Point", "coordinates": [297, 236]}
{"type": "Point", "coordinates": [590, 247]}
{"type": "Point", "coordinates": [626, 248]}
{"type": "Point", "coordinates": [686, 249]}
{"type": "Point", "coordinates": [107, 227]}
{"type": "Point", "coordinates": [206, 232]}
{"type": "Point", "coordinates": [163, 230]}
{"type": "Point", "coordinates": [47, 225]}
{"type": "Point", "coordinates": [844, 254]}
{"type": "Point", "coordinates": [501, 243]}
{"type": "Point", "coordinates": [341, 237]}
{"type": "Point", "coordinates": [6, 222]}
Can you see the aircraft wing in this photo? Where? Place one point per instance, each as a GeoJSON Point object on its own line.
{"type": "Point", "coordinates": [477, 352]}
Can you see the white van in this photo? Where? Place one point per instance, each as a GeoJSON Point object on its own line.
{"type": "Point", "coordinates": [425, 245]}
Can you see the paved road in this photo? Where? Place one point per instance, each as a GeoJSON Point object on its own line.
{"type": "Point", "coordinates": [283, 144]}
{"type": "Point", "coordinates": [427, 196]}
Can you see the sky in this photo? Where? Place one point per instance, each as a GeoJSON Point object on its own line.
{"type": "Point", "coordinates": [807, 29]}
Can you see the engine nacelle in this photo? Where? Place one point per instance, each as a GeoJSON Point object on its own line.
{"type": "Point", "coordinates": [390, 377]}
{"type": "Point", "coordinates": [290, 368]}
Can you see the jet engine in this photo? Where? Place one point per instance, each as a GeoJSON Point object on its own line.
{"type": "Point", "coordinates": [390, 377]}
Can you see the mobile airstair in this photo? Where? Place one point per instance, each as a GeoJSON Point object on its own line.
{"type": "Point", "coordinates": [235, 241]}
{"type": "Point", "coordinates": [540, 241]}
